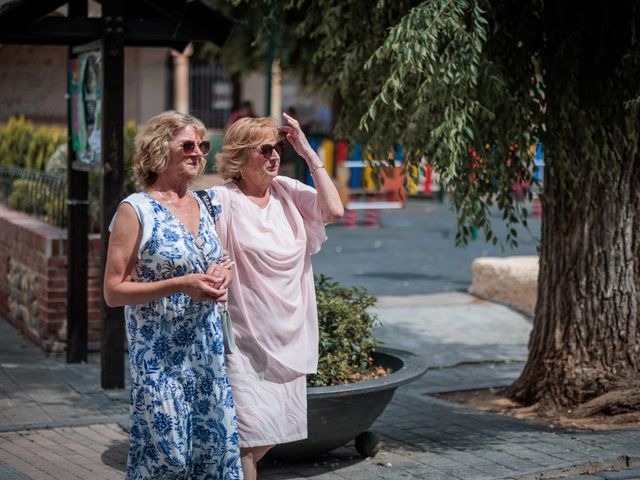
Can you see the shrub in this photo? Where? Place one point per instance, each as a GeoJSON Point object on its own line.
{"type": "Point", "coordinates": [25, 146]}
{"type": "Point", "coordinates": [56, 210]}
{"type": "Point", "coordinates": [57, 162]}
{"type": "Point", "coordinates": [15, 138]}
{"type": "Point", "coordinates": [45, 149]}
{"type": "Point", "coordinates": [345, 333]}
{"type": "Point", "coordinates": [43, 144]}
{"type": "Point", "coordinates": [28, 196]}
{"type": "Point", "coordinates": [130, 132]}
{"type": "Point", "coordinates": [129, 184]}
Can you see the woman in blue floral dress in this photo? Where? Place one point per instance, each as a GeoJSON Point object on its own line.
{"type": "Point", "coordinates": [166, 265]}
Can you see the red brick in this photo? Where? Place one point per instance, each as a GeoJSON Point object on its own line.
{"type": "Point", "coordinates": [53, 305]}
{"type": "Point", "coordinates": [55, 284]}
{"type": "Point", "coordinates": [42, 248]}
{"type": "Point", "coordinates": [57, 273]}
{"type": "Point", "coordinates": [57, 262]}
{"type": "Point", "coordinates": [55, 294]}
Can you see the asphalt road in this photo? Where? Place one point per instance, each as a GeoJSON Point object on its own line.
{"type": "Point", "coordinates": [412, 251]}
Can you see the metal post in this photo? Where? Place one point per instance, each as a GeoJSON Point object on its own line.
{"type": "Point", "coordinates": [236, 91]}
{"type": "Point", "coordinates": [77, 233]}
{"type": "Point", "coordinates": [113, 331]}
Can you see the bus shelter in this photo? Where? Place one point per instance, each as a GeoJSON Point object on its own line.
{"type": "Point", "coordinates": [97, 48]}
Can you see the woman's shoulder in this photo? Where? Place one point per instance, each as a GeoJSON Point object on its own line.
{"type": "Point", "coordinates": [217, 191]}
{"type": "Point", "coordinates": [286, 181]}
{"type": "Point", "coordinates": [291, 185]}
{"type": "Point", "coordinates": [142, 203]}
{"type": "Point", "coordinates": [222, 194]}
{"type": "Point", "coordinates": [135, 205]}
{"type": "Point", "coordinates": [287, 184]}
{"type": "Point", "coordinates": [137, 198]}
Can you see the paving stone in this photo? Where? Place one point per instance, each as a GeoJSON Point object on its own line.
{"type": "Point", "coordinates": [8, 473]}
{"type": "Point", "coordinates": [423, 437]}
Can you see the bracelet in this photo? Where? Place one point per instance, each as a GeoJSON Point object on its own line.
{"type": "Point", "coordinates": [313, 171]}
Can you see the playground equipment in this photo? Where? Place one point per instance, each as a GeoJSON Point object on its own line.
{"type": "Point", "coordinates": [361, 189]}
{"type": "Point", "coordinates": [357, 184]}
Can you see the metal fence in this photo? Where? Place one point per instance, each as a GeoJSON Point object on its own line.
{"type": "Point", "coordinates": [38, 193]}
{"type": "Point", "coordinates": [210, 93]}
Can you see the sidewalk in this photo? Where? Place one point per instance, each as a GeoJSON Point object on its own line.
{"type": "Point", "coordinates": [56, 423]}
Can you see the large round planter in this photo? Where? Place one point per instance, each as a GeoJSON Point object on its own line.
{"type": "Point", "coordinates": [337, 414]}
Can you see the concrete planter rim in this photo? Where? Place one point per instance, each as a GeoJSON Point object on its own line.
{"type": "Point", "coordinates": [340, 413]}
{"type": "Point", "coordinates": [412, 367]}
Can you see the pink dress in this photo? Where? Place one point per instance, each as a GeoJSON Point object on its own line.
{"type": "Point", "coordinates": [273, 307]}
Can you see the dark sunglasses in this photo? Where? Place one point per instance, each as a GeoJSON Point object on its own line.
{"type": "Point", "coordinates": [189, 146]}
{"type": "Point", "coordinates": [266, 150]}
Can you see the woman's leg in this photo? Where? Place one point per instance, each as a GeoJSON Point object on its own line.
{"type": "Point", "coordinates": [250, 458]}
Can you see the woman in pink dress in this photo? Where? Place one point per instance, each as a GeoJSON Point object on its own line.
{"type": "Point", "coordinates": [272, 225]}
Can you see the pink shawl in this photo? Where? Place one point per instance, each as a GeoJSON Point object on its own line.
{"type": "Point", "coordinates": [272, 301]}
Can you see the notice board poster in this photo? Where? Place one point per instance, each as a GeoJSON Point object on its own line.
{"type": "Point", "coordinates": [86, 108]}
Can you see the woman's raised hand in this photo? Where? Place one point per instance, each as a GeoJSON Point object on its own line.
{"type": "Point", "coordinates": [296, 136]}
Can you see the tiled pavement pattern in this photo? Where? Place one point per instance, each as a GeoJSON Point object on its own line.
{"type": "Point", "coordinates": [56, 423]}
{"type": "Point", "coordinates": [70, 453]}
{"type": "Point", "coordinates": [428, 438]}
{"type": "Point", "coordinates": [36, 391]}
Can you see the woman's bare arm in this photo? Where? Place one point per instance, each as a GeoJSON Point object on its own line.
{"type": "Point", "coordinates": [118, 287]}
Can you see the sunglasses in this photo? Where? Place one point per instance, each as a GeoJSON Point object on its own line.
{"type": "Point", "coordinates": [189, 146]}
{"type": "Point", "coordinates": [266, 150]}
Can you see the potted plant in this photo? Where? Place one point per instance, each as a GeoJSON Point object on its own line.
{"type": "Point", "coordinates": [356, 378]}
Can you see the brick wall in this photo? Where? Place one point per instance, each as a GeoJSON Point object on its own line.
{"type": "Point", "coordinates": [34, 82]}
{"type": "Point", "coordinates": [33, 280]}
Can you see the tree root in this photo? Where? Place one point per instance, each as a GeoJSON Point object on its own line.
{"type": "Point", "coordinates": [615, 402]}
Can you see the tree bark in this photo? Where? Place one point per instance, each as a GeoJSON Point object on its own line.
{"type": "Point", "coordinates": [586, 336]}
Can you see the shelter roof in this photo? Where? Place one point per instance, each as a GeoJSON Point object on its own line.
{"type": "Point", "coordinates": [171, 23]}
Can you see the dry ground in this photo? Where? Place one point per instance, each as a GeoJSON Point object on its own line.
{"type": "Point", "coordinates": [495, 400]}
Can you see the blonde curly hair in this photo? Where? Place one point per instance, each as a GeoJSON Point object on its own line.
{"type": "Point", "coordinates": [152, 144]}
{"type": "Point", "coordinates": [240, 137]}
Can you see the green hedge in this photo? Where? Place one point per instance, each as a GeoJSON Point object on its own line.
{"type": "Point", "coordinates": [44, 149]}
{"type": "Point", "coordinates": [26, 146]}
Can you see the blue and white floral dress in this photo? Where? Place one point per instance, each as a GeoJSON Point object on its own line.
{"type": "Point", "coordinates": [183, 420]}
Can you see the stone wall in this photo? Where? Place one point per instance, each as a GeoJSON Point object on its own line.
{"type": "Point", "coordinates": [512, 281]}
{"type": "Point", "coordinates": [33, 280]}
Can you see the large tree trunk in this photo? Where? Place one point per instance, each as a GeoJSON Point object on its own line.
{"type": "Point", "coordinates": [586, 335]}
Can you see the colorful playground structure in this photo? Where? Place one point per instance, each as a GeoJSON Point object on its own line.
{"type": "Point", "coordinates": [362, 190]}
{"type": "Point", "coordinates": [359, 186]}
